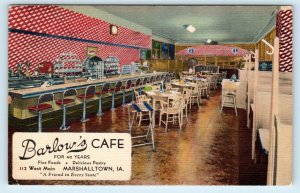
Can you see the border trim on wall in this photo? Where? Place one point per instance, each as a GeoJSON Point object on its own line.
{"type": "Point", "coordinates": [72, 38]}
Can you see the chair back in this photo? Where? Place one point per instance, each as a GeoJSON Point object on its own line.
{"type": "Point", "coordinates": [229, 86]}
{"type": "Point", "coordinates": [157, 78]}
{"type": "Point", "coordinates": [168, 78]}
{"type": "Point", "coordinates": [90, 90]}
{"type": "Point", "coordinates": [168, 86]}
{"type": "Point", "coordinates": [145, 81]}
{"type": "Point", "coordinates": [142, 98]}
{"type": "Point", "coordinates": [186, 95]}
{"type": "Point", "coordinates": [105, 87]}
{"type": "Point", "coordinates": [163, 77]}
{"type": "Point", "coordinates": [138, 82]}
{"type": "Point", "coordinates": [174, 103]}
{"type": "Point", "coordinates": [136, 93]}
{"type": "Point", "coordinates": [128, 84]}
{"type": "Point", "coordinates": [195, 88]}
{"type": "Point", "coordinates": [46, 98]}
{"type": "Point", "coordinates": [224, 74]}
{"type": "Point", "coordinates": [204, 83]}
{"type": "Point", "coordinates": [186, 92]}
{"type": "Point", "coordinates": [172, 76]}
{"type": "Point", "coordinates": [118, 85]}
{"type": "Point", "coordinates": [70, 93]}
{"type": "Point", "coordinates": [152, 79]}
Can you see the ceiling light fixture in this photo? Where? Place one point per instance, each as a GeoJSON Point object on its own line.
{"type": "Point", "coordinates": [190, 28]}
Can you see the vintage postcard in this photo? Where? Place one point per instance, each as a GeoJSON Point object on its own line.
{"type": "Point", "coordinates": [150, 94]}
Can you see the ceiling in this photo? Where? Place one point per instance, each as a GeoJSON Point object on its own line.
{"type": "Point", "coordinates": [224, 24]}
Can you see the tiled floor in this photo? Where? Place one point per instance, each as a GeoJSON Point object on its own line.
{"type": "Point", "coordinates": [212, 149]}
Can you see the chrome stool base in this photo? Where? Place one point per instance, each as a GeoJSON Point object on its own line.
{"type": "Point", "coordinates": [64, 127]}
{"type": "Point", "coordinates": [84, 120]}
{"type": "Point", "coordinates": [100, 114]}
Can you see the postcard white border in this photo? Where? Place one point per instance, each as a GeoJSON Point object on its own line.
{"type": "Point", "coordinates": [131, 189]}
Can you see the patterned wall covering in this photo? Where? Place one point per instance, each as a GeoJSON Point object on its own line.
{"type": "Point", "coordinates": [284, 30]}
{"type": "Point", "coordinates": [42, 33]}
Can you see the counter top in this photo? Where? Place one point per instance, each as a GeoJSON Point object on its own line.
{"type": "Point", "coordinates": [33, 92]}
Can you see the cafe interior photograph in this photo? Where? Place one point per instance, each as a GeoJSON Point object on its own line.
{"type": "Point", "coordinates": [205, 92]}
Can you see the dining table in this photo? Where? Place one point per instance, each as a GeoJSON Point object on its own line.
{"type": "Point", "coordinates": [157, 96]}
{"type": "Point", "coordinates": [195, 79]}
{"type": "Point", "coordinates": [184, 84]}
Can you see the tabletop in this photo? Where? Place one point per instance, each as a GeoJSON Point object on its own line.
{"type": "Point", "coordinates": [195, 79]}
{"type": "Point", "coordinates": [163, 94]}
{"type": "Point", "coordinates": [187, 84]}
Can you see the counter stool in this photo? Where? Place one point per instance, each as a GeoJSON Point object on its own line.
{"type": "Point", "coordinates": [124, 88]}
{"type": "Point", "coordinates": [173, 76]}
{"type": "Point", "coordinates": [139, 85]}
{"type": "Point", "coordinates": [116, 88]}
{"type": "Point", "coordinates": [163, 77]}
{"type": "Point", "coordinates": [41, 106]}
{"type": "Point", "coordinates": [68, 98]}
{"type": "Point", "coordinates": [88, 94]}
{"type": "Point", "coordinates": [157, 78]}
{"type": "Point", "coordinates": [143, 84]}
{"type": "Point", "coordinates": [103, 90]}
{"type": "Point", "coordinates": [145, 80]}
{"type": "Point", "coordinates": [151, 80]}
{"type": "Point", "coordinates": [168, 78]}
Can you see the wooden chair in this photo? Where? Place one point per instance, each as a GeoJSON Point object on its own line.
{"type": "Point", "coordinates": [229, 95]}
{"type": "Point", "coordinates": [168, 86]}
{"type": "Point", "coordinates": [139, 99]}
{"type": "Point", "coordinates": [172, 108]}
{"type": "Point", "coordinates": [138, 108]}
{"type": "Point", "coordinates": [186, 95]}
{"type": "Point", "coordinates": [195, 96]}
{"type": "Point", "coordinates": [204, 88]}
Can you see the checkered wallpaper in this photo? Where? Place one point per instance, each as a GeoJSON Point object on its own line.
{"type": "Point", "coordinates": [42, 33]}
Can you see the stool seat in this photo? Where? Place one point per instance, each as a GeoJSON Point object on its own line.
{"type": "Point", "coordinates": [40, 107]}
{"type": "Point", "coordinates": [125, 87]}
{"type": "Point", "coordinates": [102, 92]}
{"type": "Point", "coordinates": [230, 94]}
{"type": "Point", "coordinates": [81, 96]}
{"type": "Point", "coordinates": [64, 102]}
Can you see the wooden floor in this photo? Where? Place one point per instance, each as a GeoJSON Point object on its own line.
{"type": "Point", "coordinates": [212, 149]}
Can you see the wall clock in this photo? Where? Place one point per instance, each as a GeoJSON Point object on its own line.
{"type": "Point", "coordinates": [113, 30]}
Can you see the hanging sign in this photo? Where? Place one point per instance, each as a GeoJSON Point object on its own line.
{"type": "Point", "coordinates": [191, 50]}
{"type": "Point", "coordinates": [235, 50]}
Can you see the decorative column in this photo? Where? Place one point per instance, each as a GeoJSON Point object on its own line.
{"type": "Point", "coordinates": [284, 31]}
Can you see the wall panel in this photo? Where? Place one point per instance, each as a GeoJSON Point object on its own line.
{"type": "Point", "coordinates": [41, 32]}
